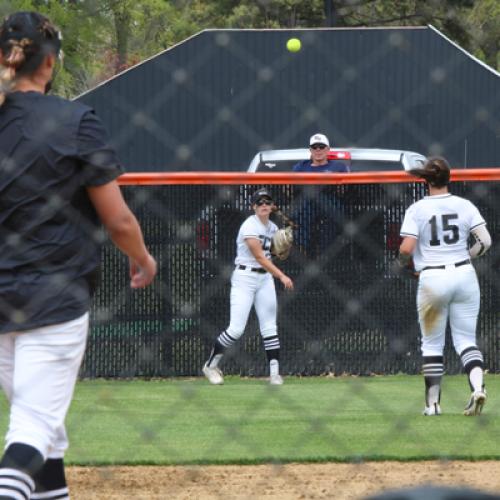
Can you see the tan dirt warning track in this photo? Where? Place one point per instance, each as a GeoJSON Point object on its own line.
{"type": "Point", "coordinates": [276, 482]}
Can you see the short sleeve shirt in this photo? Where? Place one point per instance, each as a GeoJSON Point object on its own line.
{"type": "Point", "coordinates": [441, 224]}
{"type": "Point", "coordinates": [253, 228]}
{"type": "Point", "coordinates": [51, 150]}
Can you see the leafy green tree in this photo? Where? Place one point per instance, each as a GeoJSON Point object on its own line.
{"type": "Point", "coordinates": [79, 40]}
{"type": "Point", "coordinates": [485, 28]}
{"type": "Point", "coordinates": [103, 37]}
{"type": "Point", "coordinates": [473, 24]}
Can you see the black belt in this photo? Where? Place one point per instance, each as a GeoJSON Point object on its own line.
{"type": "Point", "coordinates": [260, 270]}
{"type": "Point", "coordinates": [457, 264]}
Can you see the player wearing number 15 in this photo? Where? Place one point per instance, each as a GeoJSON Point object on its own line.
{"type": "Point", "coordinates": [436, 232]}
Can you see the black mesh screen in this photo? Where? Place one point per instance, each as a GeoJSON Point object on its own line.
{"type": "Point", "coordinates": [349, 313]}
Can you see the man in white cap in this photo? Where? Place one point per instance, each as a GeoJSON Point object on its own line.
{"type": "Point", "coordinates": [319, 209]}
{"type": "Point", "coordinates": [319, 147]}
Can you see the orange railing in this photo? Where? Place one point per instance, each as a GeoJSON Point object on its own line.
{"type": "Point", "coordinates": [142, 178]}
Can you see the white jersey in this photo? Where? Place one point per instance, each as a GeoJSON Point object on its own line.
{"type": "Point", "coordinates": [441, 224]}
{"type": "Point", "coordinates": [253, 228]}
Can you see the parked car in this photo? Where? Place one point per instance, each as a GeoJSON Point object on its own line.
{"type": "Point", "coordinates": [233, 204]}
{"type": "Point", "coordinates": [358, 159]}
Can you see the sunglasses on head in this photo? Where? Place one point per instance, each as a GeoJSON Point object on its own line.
{"type": "Point", "coordinates": [263, 202]}
{"type": "Point", "coordinates": [318, 146]}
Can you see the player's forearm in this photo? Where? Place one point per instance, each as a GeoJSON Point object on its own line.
{"type": "Point", "coordinates": [126, 234]}
{"type": "Point", "coordinates": [270, 267]}
{"type": "Point", "coordinates": [406, 249]}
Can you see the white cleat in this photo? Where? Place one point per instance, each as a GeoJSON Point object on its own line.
{"type": "Point", "coordinates": [214, 375]}
{"type": "Point", "coordinates": [433, 410]}
{"type": "Point", "coordinates": [276, 379]}
{"type": "Point", "coordinates": [475, 405]}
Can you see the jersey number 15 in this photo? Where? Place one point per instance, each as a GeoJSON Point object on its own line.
{"type": "Point", "coordinates": [449, 239]}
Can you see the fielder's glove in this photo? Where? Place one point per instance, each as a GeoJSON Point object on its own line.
{"type": "Point", "coordinates": [403, 266]}
{"type": "Point", "coordinates": [281, 242]}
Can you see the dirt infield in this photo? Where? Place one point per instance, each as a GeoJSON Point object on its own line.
{"type": "Point", "coordinates": [276, 482]}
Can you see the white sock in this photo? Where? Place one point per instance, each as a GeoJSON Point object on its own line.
{"type": "Point", "coordinates": [433, 394]}
{"type": "Point", "coordinates": [274, 367]}
{"type": "Point", "coordinates": [476, 378]}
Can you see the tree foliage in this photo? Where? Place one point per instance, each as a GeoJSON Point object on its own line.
{"type": "Point", "coordinates": [104, 37]}
{"type": "Point", "coordinates": [484, 20]}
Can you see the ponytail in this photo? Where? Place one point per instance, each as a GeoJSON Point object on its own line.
{"type": "Point", "coordinates": [436, 172]}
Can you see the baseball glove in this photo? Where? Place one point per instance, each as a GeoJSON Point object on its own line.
{"type": "Point", "coordinates": [281, 242]}
{"type": "Point", "coordinates": [404, 266]}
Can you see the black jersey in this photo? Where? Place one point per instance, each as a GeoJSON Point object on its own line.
{"type": "Point", "coordinates": [51, 149]}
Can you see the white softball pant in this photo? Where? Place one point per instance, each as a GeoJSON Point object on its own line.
{"type": "Point", "coordinates": [248, 289]}
{"type": "Point", "coordinates": [38, 372]}
{"type": "Point", "coordinates": [448, 293]}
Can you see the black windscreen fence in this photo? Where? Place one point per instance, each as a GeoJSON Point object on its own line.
{"type": "Point", "coordinates": [350, 312]}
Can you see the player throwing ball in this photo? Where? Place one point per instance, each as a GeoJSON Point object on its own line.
{"type": "Point", "coordinates": [435, 232]}
{"type": "Point", "coordinates": [252, 284]}
{"type": "Point", "coordinates": [58, 183]}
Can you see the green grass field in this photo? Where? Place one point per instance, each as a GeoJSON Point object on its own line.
{"type": "Point", "coordinates": [180, 421]}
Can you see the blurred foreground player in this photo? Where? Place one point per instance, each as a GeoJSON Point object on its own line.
{"type": "Point", "coordinates": [57, 184]}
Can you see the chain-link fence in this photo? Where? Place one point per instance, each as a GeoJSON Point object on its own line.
{"type": "Point", "coordinates": [212, 103]}
{"type": "Point", "coordinates": [351, 312]}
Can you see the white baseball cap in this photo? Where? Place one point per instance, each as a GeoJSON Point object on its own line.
{"type": "Point", "coordinates": [319, 139]}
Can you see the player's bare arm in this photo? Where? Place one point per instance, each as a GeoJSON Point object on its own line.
{"type": "Point", "coordinates": [404, 259]}
{"type": "Point", "coordinates": [124, 230]}
{"type": "Point", "coordinates": [255, 247]}
{"type": "Point", "coordinates": [406, 249]}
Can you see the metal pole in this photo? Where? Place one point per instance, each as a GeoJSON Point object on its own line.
{"type": "Point", "coordinates": [330, 20]}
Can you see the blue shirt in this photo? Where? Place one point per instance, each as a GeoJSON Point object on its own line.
{"type": "Point", "coordinates": [331, 166]}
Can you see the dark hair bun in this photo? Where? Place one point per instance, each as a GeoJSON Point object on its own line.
{"type": "Point", "coordinates": [25, 39]}
{"type": "Point", "coordinates": [32, 33]}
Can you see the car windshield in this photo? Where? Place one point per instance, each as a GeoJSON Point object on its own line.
{"type": "Point", "coordinates": [374, 165]}
{"type": "Point", "coordinates": [354, 165]}
{"type": "Point", "coordinates": [356, 159]}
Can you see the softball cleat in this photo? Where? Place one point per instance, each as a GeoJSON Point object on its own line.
{"type": "Point", "coordinates": [214, 375]}
{"type": "Point", "coordinates": [475, 405]}
{"type": "Point", "coordinates": [432, 410]}
{"type": "Point", "coordinates": [276, 379]}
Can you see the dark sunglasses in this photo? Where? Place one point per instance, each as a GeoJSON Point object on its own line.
{"type": "Point", "coordinates": [264, 202]}
{"type": "Point", "coordinates": [318, 146]}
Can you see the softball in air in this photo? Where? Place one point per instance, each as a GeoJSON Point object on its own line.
{"type": "Point", "coordinates": [293, 45]}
